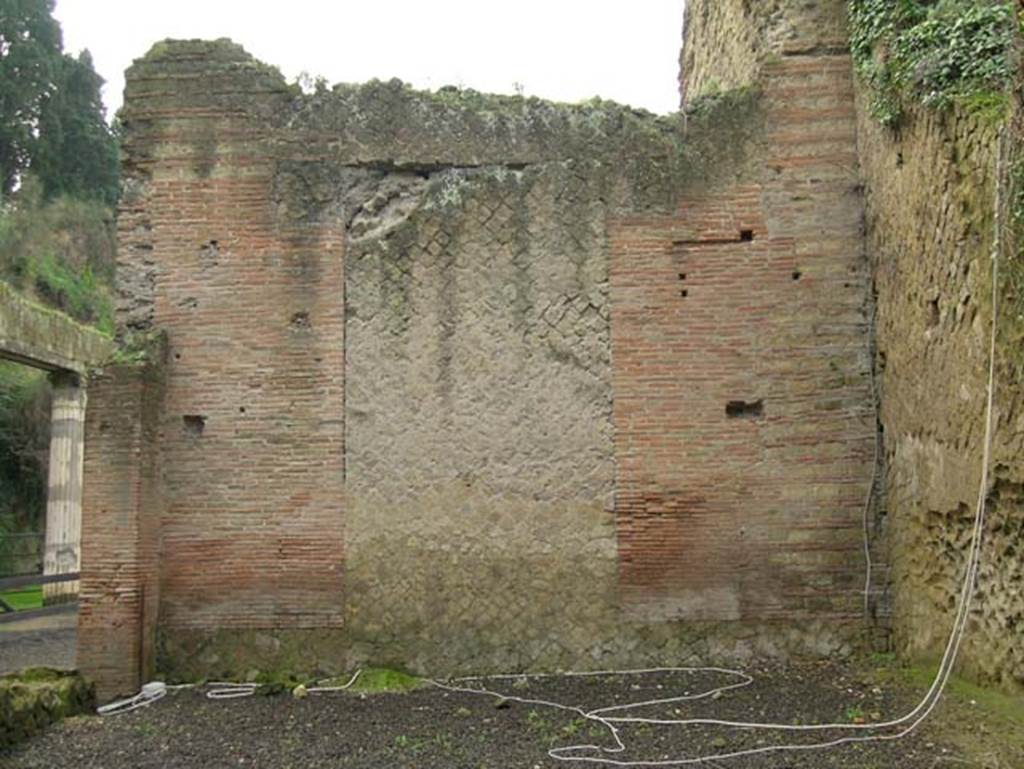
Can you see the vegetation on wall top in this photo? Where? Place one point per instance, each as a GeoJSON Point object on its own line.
{"type": "Point", "coordinates": [58, 169]}
{"type": "Point", "coordinates": [935, 53]}
{"type": "Point", "coordinates": [61, 253]}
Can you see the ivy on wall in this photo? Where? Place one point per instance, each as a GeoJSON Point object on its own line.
{"type": "Point", "coordinates": [935, 53]}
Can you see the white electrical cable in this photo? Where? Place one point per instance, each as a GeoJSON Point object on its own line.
{"type": "Point", "coordinates": [150, 693]}
{"type": "Point", "coordinates": [230, 690]}
{"type": "Point", "coordinates": [326, 689]}
{"type": "Point", "coordinates": [155, 691]}
{"type": "Point", "coordinates": [220, 690]}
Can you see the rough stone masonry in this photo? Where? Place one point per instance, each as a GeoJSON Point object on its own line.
{"type": "Point", "coordinates": [458, 382]}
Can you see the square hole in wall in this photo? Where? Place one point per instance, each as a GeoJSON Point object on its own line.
{"type": "Point", "coordinates": [744, 409]}
{"type": "Point", "coordinates": [194, 424]}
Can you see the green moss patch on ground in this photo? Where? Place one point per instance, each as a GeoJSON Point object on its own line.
{"type": "Point", "coordinates": [985, 724]}
{"type": "Point", "coordinates": [377, 680]}
{"type": "Point", "coordinates": [37, 697]}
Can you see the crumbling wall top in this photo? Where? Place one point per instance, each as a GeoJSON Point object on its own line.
{"type": "Point", "coordinates": [216, 98]}
{"type": "Point", "coordinates": [725, 42]}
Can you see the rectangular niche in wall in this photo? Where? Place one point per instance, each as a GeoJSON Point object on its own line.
{"type": "Point", "coordinates": [744, 409]}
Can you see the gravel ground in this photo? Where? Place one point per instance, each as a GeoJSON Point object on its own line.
{"type": "Point", "coordinates": [430, 728]}
{"type": "Point", "coordinates": [44, 641]}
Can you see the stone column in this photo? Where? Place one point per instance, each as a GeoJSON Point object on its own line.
{"type": "Point", "coordinates": [64, 492]}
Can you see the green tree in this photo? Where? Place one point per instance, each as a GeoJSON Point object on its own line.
{"type": "Point", "coordinates": [30, 57]}
{"type": "Point", "coordinates": [58, 181]}
{"type": "Point", "coordinates": [24, 447]}
{"type": "Point", "coordinates": [51, 113]}
{"type": "Point", "coordinates": [76, 152]}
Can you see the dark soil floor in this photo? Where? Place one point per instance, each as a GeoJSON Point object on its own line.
{"type": "Point", "coordinates": [429, 728]}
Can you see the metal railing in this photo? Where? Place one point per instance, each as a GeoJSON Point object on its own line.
{"type": "Point", "coordinates": [23, 561]}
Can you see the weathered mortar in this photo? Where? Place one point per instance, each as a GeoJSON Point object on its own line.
{"type": "Point", "coordinates": [930, 196]}
{"type": "Point", "coordinates": [929, 190]}
{"type": "Point", "coordinates": [727, 42]}
{"type": "Point", "coordinates": [788, 303]}
{"type": "Point", "coordinates": [478, 417]}
{"type": "Point", "coordinates": [123, 500]}
{"type": "Point", "coordinates": [432, 383]}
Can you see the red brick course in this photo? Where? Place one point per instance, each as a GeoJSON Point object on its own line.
{"type": "Point", "coordinates": [123, 503]}
{"type": "Point", "coordinates": [753, 294]}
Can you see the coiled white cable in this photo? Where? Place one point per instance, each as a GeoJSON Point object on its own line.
{"type": "Point", "coordinates": [150, 693]}
{"type": "Point", "coordinates": [230, 690]}
{"type": "Point", "coordinates": [220, 690]}
{"type": "Point", "coordinates": [327, 689]}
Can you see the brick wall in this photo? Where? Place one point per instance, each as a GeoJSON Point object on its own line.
{"type": "Point", "coordinates": [435, 396]}
{"type": "Point", "coordinates": [742, 407]}
{"type": "Point", "coordinates": [251, 301]}
{"type": "Point", "coordinates": [122, 502]}
{"type": "Point", "coordinates": [727, 42]}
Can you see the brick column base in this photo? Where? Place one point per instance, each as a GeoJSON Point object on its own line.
{"type": "Point", "coordinates": [121, 509]}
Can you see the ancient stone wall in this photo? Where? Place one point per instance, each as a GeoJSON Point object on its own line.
{"type": "Point", "coordinates": [727, 42]}
{"type": "Point", "coordinates": [930, 204]}
{"type": "Point", "coordinates": [471, 383]}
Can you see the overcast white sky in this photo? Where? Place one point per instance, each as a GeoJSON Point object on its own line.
{"type": "Point", "coordinates": [568, 50]}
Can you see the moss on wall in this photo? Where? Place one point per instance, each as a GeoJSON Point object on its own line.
{"type": "Point", "coordinates": [474, 235]}
{"type": "Point", "coordinates": [930, 223]}
{"type": "Point", "coordinates": [29, 331]}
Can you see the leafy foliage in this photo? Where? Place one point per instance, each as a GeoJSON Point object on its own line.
{"type": "Point", "coordinates": [58, 179]}
{"type": "Point", "coordinates": [24, 447]}
{"type": "Point", "coordinates": [30, 43]}
{"type": "Point", "coordinates": [61, 252]}
{"type": "Point", "coordinates": [77, 152]}
{"type": "Point", "coordinates": [933, 53]}
{"type": "Point", "coordinates": [51, 116]}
